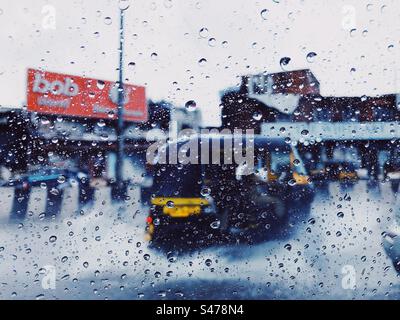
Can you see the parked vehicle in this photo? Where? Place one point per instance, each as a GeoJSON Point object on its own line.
{"type": "Point", "coordinates": [342, 167]}
{"type": "Point", "coordinates": [391, 172]}
{"type": "Point", "coordinates": [55, 181]}
{"type": "Point", "coordinates": [391, 244]}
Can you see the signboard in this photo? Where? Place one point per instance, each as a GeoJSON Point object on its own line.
{"type": "Point", "coordinates": [61, 94]}
{"type": "Point", "coordinates": [320, 131]}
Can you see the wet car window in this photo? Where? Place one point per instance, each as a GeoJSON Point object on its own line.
{"type": "Point", "coordinates": [199, 150]}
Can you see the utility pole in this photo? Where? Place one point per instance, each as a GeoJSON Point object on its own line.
{"type": "Point", "coordinates": [120, 115]}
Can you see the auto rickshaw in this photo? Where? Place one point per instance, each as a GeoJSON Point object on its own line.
{"type": "Point", "coordinates": [215, 201]}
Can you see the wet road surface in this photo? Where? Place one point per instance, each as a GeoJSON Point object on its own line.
{"type": "Point", "coordinates": [334, 252]}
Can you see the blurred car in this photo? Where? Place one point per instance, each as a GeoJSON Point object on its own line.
{"type": "Point", "coordinates": [336, 171]}
{"type": "Point", "coordinates": [342, 166]}
{"type": "Point", "coordinates": [391, 244]}
{"type": "Point", "coordinates": [391, 172]}
{"type": "Point", "coordinates": [55, 180]}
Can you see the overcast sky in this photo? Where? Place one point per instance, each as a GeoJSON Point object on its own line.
{"type": "Point", "coordinates": [85, 42]}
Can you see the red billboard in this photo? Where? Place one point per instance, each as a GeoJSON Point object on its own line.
{"type": "Point", "coordinates": [61, 94]}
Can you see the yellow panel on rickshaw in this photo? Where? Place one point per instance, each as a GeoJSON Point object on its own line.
{"type": "Point", "coordinates": [162, 201]}
{"type": "Point", "coordinates": [181, 211]}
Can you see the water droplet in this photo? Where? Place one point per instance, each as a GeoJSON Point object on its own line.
{"type": "Point", "coordinates": [340, 214]}
{"type": "Point", "coordinates": [264, 14]}
{"type": "Point", "coordinates": [311, 57]}
{"type": "Point", "coordinates": [257, 116]}
{"type": "Point", "coordinates": [208, 262]}
{"type": "Point", "coordinates": [44, 120]}
{"type": "Point", "coordinates": [154, 56]}
{"type": "Point", "coordinates": [170, 204]}
{"type": "Point", "coordinates": [284, 62]}
{"type": "Point", "coordinates": [54, 191]}
{"type": "Point", "coordinates": [101, 123]}
{"type": "Point", "coordinates": [202, 62]}
{"type": "Point", "coordinates": [288, 246]}
{"type": "Point", "coordinates": [304, 132]}
{"type": "Point", "coordinates": [100, 84]}
{"type": "Point", "coordinates": [215, 224]}
{"type": "Point", "coordinates": [292, 182]}
{"type": "Point", "coordinates": [203, 32]}
{"type": "Point", "coordinates": [132, 65]}
{"type": "Point", "coordinates": [190, 105]}
{"type": "Point", "coordinates": [162, 294]}
{"type": "Point", "coordinates": [53, 239]}
{"type": "Point", "coordinates": [212, 42]}
{"type": "Point", "coordinates": [171, 257]}
{"type": "Point", "coordinates": [124, 4]}
{"type": "Point", "coordinates": [108, 20]}
{"type": "Point", "coordinates": [205, 191]}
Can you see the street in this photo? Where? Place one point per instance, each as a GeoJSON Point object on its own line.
{"type": "Point", "coordinates": [100, 253]}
